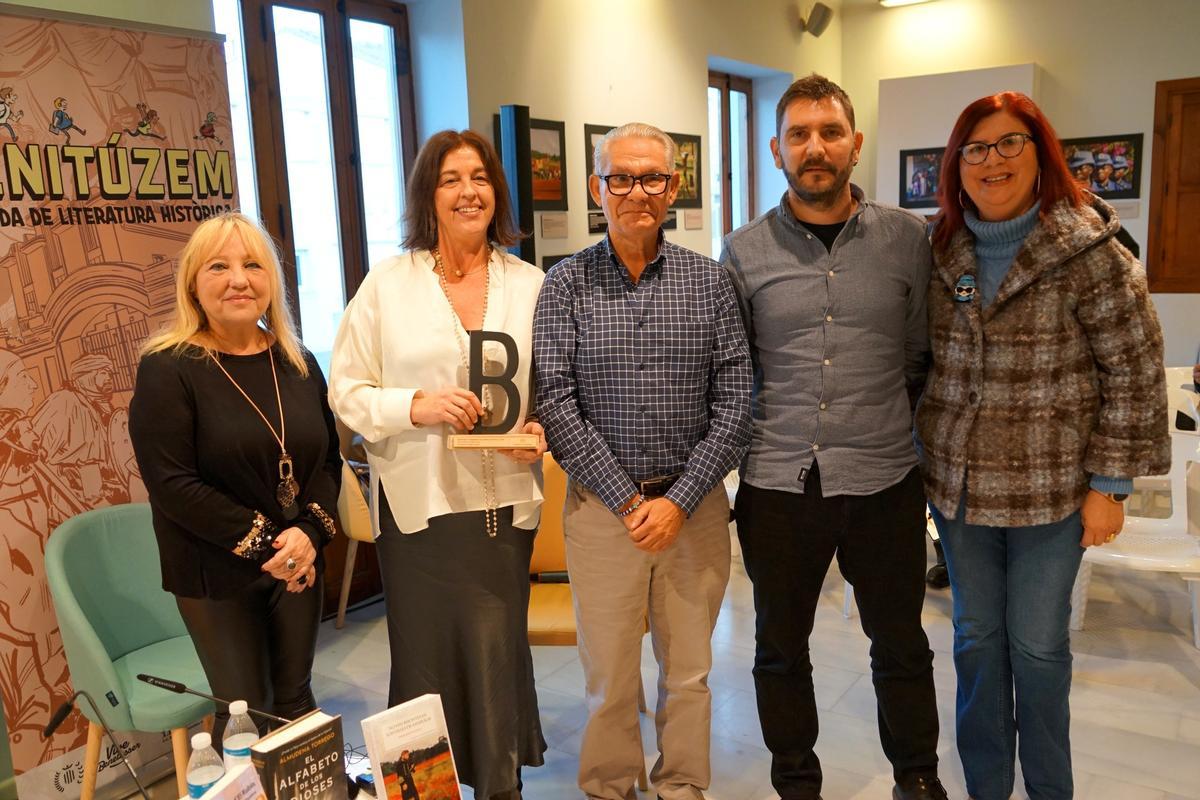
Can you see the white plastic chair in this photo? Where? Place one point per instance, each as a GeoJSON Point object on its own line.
{"type": "Point", "coordinates": [1158, 545]}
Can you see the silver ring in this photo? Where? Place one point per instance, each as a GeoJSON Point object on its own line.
{"type": "Point", "coordinates": [291, 565]}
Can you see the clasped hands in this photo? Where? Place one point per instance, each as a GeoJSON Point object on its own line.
{"type": "Point", "coordinates": [654, 525]}
{"type": "Point", "coordinates": [293, 545]}
{"type": "Point", "coordinates": [461, 409]}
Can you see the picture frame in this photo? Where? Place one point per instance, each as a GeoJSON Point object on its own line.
{"type": "Point", "coordinates": [919, 172]}
{"type": "Point", "coordinates": [548, 161]}
{"type": "Point", "coordinates": [597, 222]}
{"type": "Point", "coordinates": [687, 164]}
{"type": "Point", "coordinates": [1119, 157]}
{"type": "Point", "coordinates": [591, 135]}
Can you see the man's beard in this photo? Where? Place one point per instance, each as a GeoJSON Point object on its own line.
{"type": "Point", "coordinates": [819, 197]}
{"type": "Point", "coordinates": [93, 391]}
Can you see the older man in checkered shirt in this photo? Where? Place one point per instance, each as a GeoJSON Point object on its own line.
{"type": "Point", "coordinates": [643, 376]}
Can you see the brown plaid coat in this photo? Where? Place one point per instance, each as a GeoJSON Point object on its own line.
{"type": "Point", "coordinates": [1059, 378]}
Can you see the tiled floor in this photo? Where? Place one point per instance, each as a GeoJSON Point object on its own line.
{"type": "Point", "coordinates": [1135, 701]}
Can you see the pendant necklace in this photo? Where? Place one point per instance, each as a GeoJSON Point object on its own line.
{"type": "Point", "coordinates": [487, 457]}
{"type": "Point", "coordinates": [287, 490]}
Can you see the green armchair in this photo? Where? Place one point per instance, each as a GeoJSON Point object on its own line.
{"type": "Point", "coordinates": [116, 621]}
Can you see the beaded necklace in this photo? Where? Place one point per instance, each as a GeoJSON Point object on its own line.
{"type": "Point", "coordinates": [487, 457]}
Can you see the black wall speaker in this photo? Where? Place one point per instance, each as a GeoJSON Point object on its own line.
{"type": "Point", "coordinates": [818, 19]}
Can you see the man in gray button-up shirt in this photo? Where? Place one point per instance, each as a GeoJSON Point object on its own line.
{"type": "Point", "coordinates": [832, 288]}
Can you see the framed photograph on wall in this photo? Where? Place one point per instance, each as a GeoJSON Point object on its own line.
{"type": "Point", "coordinates": [548, 162]}
{"type": "Point", "coordinates": [591, 135]}
{"type": "Point", "coordinates": [919, 177]}
{"type": "Point", "coordinates": [548, 157]}
{"type": "Point", "coordinates": [687, 164]}
{"type": "Point", "coordinates": [1108, 166]}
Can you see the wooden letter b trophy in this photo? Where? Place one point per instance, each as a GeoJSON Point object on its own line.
{"type": "Point", "coordinates": [487, 435]}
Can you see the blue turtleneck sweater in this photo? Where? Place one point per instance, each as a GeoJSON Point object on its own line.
{"type": "Point", "coordinates": [996, 245]}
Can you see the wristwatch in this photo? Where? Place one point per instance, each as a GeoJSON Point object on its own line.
{"type": "Point", "coordinates": [1116, 497]}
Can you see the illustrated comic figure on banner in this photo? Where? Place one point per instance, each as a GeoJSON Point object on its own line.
{"type": "Point", "coordinates": [145, 126]}
{"type": "Point", "coordinates": [73, 428]}
{"type": "Point", "coordinates": [24, 519]}
{"type": "Point", "coordinates": [208, 129]}
{"type": "Point", "coordinates": [61, 123]}
{"type": "Point", "coordinates": [20, 501]}
{"type": "Point", "coordinates": [7, 116]}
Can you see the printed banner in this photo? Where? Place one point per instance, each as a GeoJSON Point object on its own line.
{"type": "Point", "coordinates": [114, 143]}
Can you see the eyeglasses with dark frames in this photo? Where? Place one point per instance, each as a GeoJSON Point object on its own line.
{"type": "Point", "coordinates": [1009, 145]}
{"type": "Point", "coordinates": [652, 183]}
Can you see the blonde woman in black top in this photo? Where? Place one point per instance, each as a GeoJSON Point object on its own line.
{"type": "Point", "coordinates": [238, 451]}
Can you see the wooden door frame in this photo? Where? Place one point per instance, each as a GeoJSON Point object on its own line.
{"type": "Point", "coordinates": [727, 83]}
{"type": "Point", "coordinates": [267, 124]}
{"type": "Point", "coordinates": [1162, 152]}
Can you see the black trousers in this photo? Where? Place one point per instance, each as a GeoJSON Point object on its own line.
{"type": "Point", "coordinates": [788, 541]}
{"type": "Point", "coordinates": [257, 646]}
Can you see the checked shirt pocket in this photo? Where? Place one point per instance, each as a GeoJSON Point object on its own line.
{"type": "Point", "coordinates": [687, 347]}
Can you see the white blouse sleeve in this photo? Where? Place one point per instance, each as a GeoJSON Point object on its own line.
{"type": "Point", "coordinates": [356, 391]}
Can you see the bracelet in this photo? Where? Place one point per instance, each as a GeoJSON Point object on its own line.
{"type": "Point", "coordinates": [636, 505]}
{"type": "Point", "coordinates": [329, 529]}
{"type": "Point", "coordinates": [254, 543]}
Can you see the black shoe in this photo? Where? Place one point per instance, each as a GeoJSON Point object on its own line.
{"type": "Point", "coordinates": [919, 788]}
{"type": "Point", "coordinates": [937, 577]}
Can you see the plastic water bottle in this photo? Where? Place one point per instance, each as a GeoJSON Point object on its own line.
{"type": "Point", "coordinates": [240, 733]}
{"type": "Point", "coordinates": [204, 768]}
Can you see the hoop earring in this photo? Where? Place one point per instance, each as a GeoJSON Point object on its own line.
{"type": "Point", "coordinates": [961, 204]}
{"type": "Point", "coordinates": [1037, 186]}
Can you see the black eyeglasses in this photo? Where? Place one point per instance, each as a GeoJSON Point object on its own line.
{"type": "Point", "coordinates": [652, 183]}
{"type": "Point", "coordinates": [1009, 145]}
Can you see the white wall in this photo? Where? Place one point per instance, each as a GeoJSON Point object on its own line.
{"type": "Point", "coordinates": [1099, 61]}
{"type": "Point", "coordinates": [614, 61]}
{"type": "Point", "coordinates": [769, 183]}
{"type": "Point", "coordinates": [439, 65]}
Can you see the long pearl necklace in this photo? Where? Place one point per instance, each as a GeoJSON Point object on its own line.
{"type": "Point", "coordinates": [486, 457]}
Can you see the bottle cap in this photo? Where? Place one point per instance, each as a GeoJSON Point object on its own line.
{"type": "Point", "coordinates": [201, 740]}
{"type": "Point", "coordinates": [237, 707]}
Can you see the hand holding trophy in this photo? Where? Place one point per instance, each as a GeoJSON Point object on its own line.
{"type": "Point", "coordinates": [487, 434]}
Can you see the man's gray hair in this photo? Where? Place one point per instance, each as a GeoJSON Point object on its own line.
{"type": "Point", "coordinates": [633, 130]}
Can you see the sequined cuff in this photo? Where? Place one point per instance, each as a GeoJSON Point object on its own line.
{"type": "Point", "coordinates": [328, 528]}
{"type": "Point", "coordinates": [255, 543]}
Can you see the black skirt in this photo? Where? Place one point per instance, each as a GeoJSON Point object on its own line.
{"type": "Point", "coordinates": [457, 609]}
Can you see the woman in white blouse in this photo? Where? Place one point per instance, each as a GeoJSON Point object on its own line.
{"type": "Point", "coordinates": [454, 527]}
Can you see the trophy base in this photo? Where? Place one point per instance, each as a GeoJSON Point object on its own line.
{"type": "Point", "coordinates": [492, 441]}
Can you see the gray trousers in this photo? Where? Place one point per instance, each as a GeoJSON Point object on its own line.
{"type": "Point", "coordinates": [616, 587]}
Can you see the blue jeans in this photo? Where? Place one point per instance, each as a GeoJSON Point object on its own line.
{"type": "Point", "coordinates": [1012, 609]}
